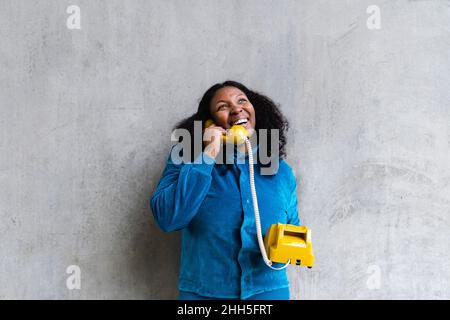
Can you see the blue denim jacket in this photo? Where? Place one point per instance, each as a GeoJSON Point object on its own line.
{"type": "Point", "coordinates": [212, 204]}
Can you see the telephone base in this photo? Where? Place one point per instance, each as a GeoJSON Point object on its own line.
{"type": "Point", "coordinates": [286, 242]}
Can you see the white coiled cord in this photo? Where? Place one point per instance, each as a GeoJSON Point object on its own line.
{"type": "Point", "coordinates": [256, 209]}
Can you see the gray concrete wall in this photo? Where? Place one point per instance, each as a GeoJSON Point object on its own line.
{"type": "Point", "coordinates": [85, 131]}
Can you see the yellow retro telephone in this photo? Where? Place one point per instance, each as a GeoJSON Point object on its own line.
{"type": "Point", "coordinates": [283, 243]}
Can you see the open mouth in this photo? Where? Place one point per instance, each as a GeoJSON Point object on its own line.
{"type": "Point", "coordinates": [242, 122]}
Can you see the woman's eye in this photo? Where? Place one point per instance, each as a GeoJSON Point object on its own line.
{"type": "Point", "coordinates": [242, 100]}
{"type": "Point", "coordinates": [221, 107]}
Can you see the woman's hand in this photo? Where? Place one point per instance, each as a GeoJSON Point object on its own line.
{"type": "Point", "coordinates": [211, 140]}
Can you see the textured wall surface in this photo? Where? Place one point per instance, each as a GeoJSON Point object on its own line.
{"type": "Point", "coordinates": [86, 117]}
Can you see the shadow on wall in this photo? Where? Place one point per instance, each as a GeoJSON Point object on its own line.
{"type": "Point", "coordinates": [154, 261]}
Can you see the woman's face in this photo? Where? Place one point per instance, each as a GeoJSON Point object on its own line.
{"type": "Point", "coordinates": [231, 106]}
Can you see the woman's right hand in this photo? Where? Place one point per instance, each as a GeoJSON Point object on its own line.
{"type": "Point", "coordinates": [212, 137]}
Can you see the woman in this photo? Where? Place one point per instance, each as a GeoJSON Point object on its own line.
{"type": "Point", "coordinates": [211, 202]}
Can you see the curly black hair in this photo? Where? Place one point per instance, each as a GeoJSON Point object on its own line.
{"type": "Point", "coordinates": [268, 115]}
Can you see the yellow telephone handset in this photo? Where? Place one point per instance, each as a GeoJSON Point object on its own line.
{"type": "Point", "coordinates": [236, 134]}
